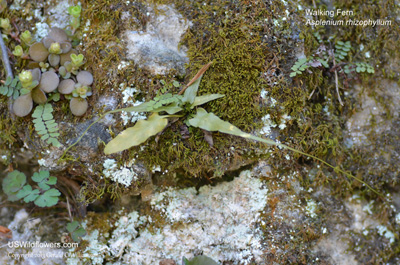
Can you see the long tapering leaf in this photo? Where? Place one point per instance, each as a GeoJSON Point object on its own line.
{"type": "Point", "coordinates": [210, 122]}
{"type": "Point", "coordinates": [139, 108]}
{"type": "Point", "coordinates": [191, 91]}
{"type": "Point", "coordinates": [137, 134]}
{"type": "Point", "coordinates": [170, 109]}
{"type": "Point", "coordinates": [200, 100]}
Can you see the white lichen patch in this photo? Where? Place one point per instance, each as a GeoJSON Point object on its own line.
{"type": "Point", "coordinates": [368, 208]}
{"type": "Point", "coordinates": [123, 175]}
{"type": "Point", "coordinates": [58, 14]}
{"type": "Point", "coordinates": [383, 231]}
{"type": "Point", "coordinates": [284, 119]}
{"type": "Point", "coordinates": [311, 208]}
{"type": "Point", "coordinates": [397, 218]}
{"type": "Point", "coordinates": [268, 124]}
{"type": "Point", "coordinates": [128, 93]}
{"type": "Point", "coordinates": [41, 30]}
{"type": "Point", "coordinates": [54, 16]}
{"type": "Point", "coordinates": [123, 64]}
{"type": "Point", "coordinates": [49, 159]}
{"type": "Point", "coordinates": [156, 48]}
{"type": "Point", "coordinates": [95, 251]}
{"type": "Point", "coordinates": [17, 5]}
{"type": "Point", "coordinates": [126, 231]}
{"type": "Point", "coordinates": [218, 221]}
{"type": "Point", "coordinates": [128, 98]}
{"type": "Point", "coordinates": [264, 93]}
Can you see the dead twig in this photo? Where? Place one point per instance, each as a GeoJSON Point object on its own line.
{"type": "Point", "coordinates": [197, 76]}
{"type": "Point", "coordinates": [336, 80]}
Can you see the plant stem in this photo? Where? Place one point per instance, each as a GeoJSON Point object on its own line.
{"type": "Point", "coordinates": [271, 142]}
{"type": "Point", "coordinates": [336, 79]}
{"type": "Point", "coordinates": [4, 57]}
{"type": "Point", "coordinates": [7, 67]}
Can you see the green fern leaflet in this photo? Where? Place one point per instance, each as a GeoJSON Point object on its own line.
{"type": "Point", "coordinates": [45, 125]}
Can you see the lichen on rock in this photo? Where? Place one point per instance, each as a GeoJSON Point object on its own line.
{"type": "Point", "coordinates": [157, 47]}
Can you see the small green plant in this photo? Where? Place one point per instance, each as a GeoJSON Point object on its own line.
{"type": "Point", "coordinates": [362, 67]}
{"type": "Point", "coordinates": [337, 55]}
{"type": "Point", "coordinates": [11, 88]}
{"type": "Point", "coordinates": [167, 86]}
{"type": "Point", "coordinates": [45, 125]}
{"type": "Point", "coordinates": [318, 36]}
{"type": "Point", "coordinates": [3, 5]}
{"type": "Point", "coordinates": [54, 97]}
{"type": "Point", "coordinates": [359, 68]}
{"type": "Point", "coordinates": [13, 183]}
{"type": "Point", "coordinates": [186, 104]}
{"type": "Point", "coordinates": [15, 187]}
{"type": "Point", "coordinates": [76, 230]}
{"type": "Point", "coordinates": [322, 56]}
{"type": "Point", "coordinates": [18, 51]}
{"type": "Point", "coordinates": [44, 66]}
{"type": "Point", "coordinates": [81, 91]}
{"type": "Point", "coordinates": [56, 71]}
{"type": "Point", "coordinates": [299, 67]}
{"type": "Point", "coordinates": [73, 66]}
{"type": "Point", "coordinates": [341, 50]}
{"type": "Point", "coordinates": [27, 81]}
{"type": "Point", "coordinates": [26, 38]}
{"type": "Point", "coordinates": [75, 12]}
{"type": "Point", "coordinates": [199, 260]}
{"type": "Point", "coordinates": [5, 24]}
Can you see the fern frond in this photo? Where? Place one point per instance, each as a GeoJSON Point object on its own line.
{"type": "Point", "coordinates": [11, 88]}
{"type": "Point", "coordinates": [45, 125]}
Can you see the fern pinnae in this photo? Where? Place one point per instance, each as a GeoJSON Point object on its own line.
{"type": "Point", "coordinates": [11, 88]}
{"type": "Point", "coordinates": [45, 125]}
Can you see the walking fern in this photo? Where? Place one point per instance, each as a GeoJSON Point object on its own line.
{"type": "Point", "coordinates": [181, 106]}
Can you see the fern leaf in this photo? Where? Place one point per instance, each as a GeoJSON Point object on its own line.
{"type": "Point", "coordinates": [3, 90]}
{"type": "Point", "coordinates": [8, 81]}
{"type": "Point", "coordinates": [11, 88]}
{"type": "Point", "coordinates": [45, 125]}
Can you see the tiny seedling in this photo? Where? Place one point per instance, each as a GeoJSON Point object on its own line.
{"type": "Point", "coordinates": [14, 185]}
{"type": "Point", "coordinates": [76, 230]}
{"type": "Point", "coordinates": [75, 12]}
{"type": "Point", "coordinates": [167, 86]}
{"type": "Point", "coordinates": [14, 182]}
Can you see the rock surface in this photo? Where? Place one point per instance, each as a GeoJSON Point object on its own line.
{"type": "Point", "coordinates": [157, 47]}
{"type": "Point", "coordinates": [284, 210]}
